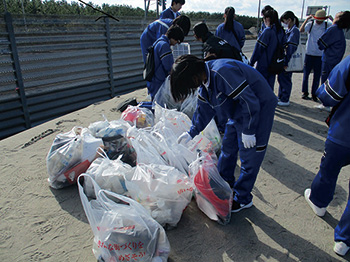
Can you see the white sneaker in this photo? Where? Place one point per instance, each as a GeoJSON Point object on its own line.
{"type": "Point", "coordinates": [280, 103]}
{"type": "Point", "coordinates": [317, 210]}
{"type": "Point", "coordinates": [322, 107]}
{"type": "Point", "coordinates": [340, 248]}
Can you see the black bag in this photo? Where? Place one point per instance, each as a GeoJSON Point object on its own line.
{"type": "Point", "coordinates": [149, 68]}
{"type": "Point", "coordinates": [277, 62]}
{"type": "Point", "coordinates": [236, 54]}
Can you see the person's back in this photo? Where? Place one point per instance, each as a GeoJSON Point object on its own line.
{"type": "Point", "coordinates": [218, 46]}
{"type": "Point", "coordinates": [163, 57]}
{"type": "Point", "coordinates": [213, 47]}
{"type": "Point", "coordinates": [333, 43]}
{"type": "Point", "coordinates": [231, 30]}
{"type": "Point", "coordinates": [152, 32]}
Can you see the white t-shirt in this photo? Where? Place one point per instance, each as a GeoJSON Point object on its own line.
{"type": "Point", "coordinates": [316, 32]}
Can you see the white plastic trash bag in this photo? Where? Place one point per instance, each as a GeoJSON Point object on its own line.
{"type": "Point", "coordinates": [296, 62]}
{"type": "Point", "coordinates": [138, 116]}
{"type": "Point", "coordinates": [209, 140]}
{"type": "Point", "coordinates": [109, 175]}
{"type": "Point", "coordinates": [70, 155]}
{"type": "Point", "coordinates": [165, 99]}
{"type": "Point", "coordinates": [123, 230]}
{"type": "Point", "coordinates": [213, 194]}
{"type": "Point", "coordinates": [163, 190]}
{"type": "Point", "coordinates": [114, 138]}
{"type": "Point", "coordinates": [145, 149]}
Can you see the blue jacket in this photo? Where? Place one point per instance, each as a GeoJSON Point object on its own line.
{"type": "Point", "coordinates": [292, 38]}
{"type": "Point", "coordinates": [230, 37]}
{"type": "Point", "coordinates": [263, 26]}
{"type": "Point", "coordinates": [152, 32]}
{"type": "Point", "coordinates": [266, 46]}
{"type": "Point", "coordinates": [169, 13]}
{"type": "Point", "coordinates": [234, 91]}
{"type": "Point", "coordinates": [333, 43]}
{"type": "Point", "coordinates": [164, 60]}
{"type": "Point", "coordinates": [334, 92]}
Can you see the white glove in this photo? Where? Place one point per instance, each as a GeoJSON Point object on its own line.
{"type": "Point", "coordinates": [185, 136]}
{"type": "Point", "coordinates": [249, 141]}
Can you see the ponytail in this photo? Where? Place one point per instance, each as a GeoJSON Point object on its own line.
{"type": "Point", "coordinates": [230, 15]}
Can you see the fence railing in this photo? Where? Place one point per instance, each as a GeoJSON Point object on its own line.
{"type": "Point", "coordinates": [50, 66]}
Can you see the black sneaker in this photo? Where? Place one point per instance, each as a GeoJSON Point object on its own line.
{"type": "Point", "coordinates": [236, 207]}
{"type": "Point", "coordinates": [305, 96]}
{"type": "Point", "coordinates": [314, 97]}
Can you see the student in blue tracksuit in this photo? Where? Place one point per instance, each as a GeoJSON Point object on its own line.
{"type": "Point", "coordinates": [159, 27]}
{"type": "Point", "coordinates": [231, 30]}
{"type": "Point", "coordinates": [173, 11]}
{"type": "Point", "coordinates": [163, 57]}
{"type": "Point", "coordinates": [240, 94]}
{"type": "Point", "coordinates": [334, 92]}
{"type": "Point", "coordinates": [263, 26]}
{"type": "Point", "coordinates": [292, 38]}
{"type": "Point", "coordinates": [333, 43]}
{"type": "Point", "coordinates": [267, 44]}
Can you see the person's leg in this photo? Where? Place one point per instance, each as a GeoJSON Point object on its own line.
{"type": "Point", "coordinates": [323, 186]}
{"type": "Point", "coordinates": [317, 74]}
{"type": "Point", "coordinates": [326, 70]}
{"type": "Point", "coordinates": [269, 78]}
{"type": "Point", "coordinates": [228, 156]}
{"type": "Point", "coordinates": [252, 158]}
{"type": "Point", "coordinates": [285, 87]}
{"type": "Point", "coordinates": [250, 164]}
{"type": "Point", "coordinates": [306, 73]}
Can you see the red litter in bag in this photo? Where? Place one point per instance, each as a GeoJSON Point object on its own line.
{"type": "Point", "coordinates": [206, 187]}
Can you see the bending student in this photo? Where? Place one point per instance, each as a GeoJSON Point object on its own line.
{"type": "Point", "coordinates": [240, 94]}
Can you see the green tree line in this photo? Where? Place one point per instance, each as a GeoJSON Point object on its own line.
{"type": "Point", "coordinates": [62, 7]}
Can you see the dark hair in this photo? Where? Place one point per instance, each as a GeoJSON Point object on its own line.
{"type": "Point", "coordinates": [344, 21]}
{"type": "Point", "coordinates": [289, 14]}
{"type": "Point", "coordinates": [230, 15]}
{"type": "Point", "coordinates": [266, 8]}
{"type": "Point", "coordinates": [185, 76]}
{"type": "Point", "coordinates": [273, 15]}
{"type": "Point", "coordinates": [175, 32]}
{"type": "Point", "coordinates": [184, 22]}
{"type": "Point", "coordinates": [182, 2]}
{"type": "Point", "coordinates": [201, 30]}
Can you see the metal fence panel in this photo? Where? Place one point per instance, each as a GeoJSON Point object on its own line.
{"type": "Point", "coordinates": [66, 63]}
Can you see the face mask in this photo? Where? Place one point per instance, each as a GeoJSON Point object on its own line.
{"type": "Point", "coordinates": [285, 25]}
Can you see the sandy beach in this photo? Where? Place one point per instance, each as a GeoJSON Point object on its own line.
{"type": "Point", "coordinates": [38, 223]}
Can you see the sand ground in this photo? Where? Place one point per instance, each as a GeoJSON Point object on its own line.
{"type": "Point", "coordinates": [38, 223]}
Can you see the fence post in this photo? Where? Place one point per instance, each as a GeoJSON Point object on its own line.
{"type": "Point", "coordinates": [17, 68]}
{"type": "Point", "coordinates": [109, 56]}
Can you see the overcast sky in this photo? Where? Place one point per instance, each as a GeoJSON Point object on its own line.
{"type": "Point", "coordinates": [245, 7]}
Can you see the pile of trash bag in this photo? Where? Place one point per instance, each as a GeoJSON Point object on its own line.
{"type": "Point", "coordinates": [134, 179]}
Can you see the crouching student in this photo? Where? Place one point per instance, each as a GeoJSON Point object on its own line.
{"type": "Point", "coordinates": [213, 46]}
{"type": "Point", "coordinates": [334, 92]}
{"type": "Point", "coordinates": [163, 57]}
{"type": "Point", "coordinates": [240, 94]}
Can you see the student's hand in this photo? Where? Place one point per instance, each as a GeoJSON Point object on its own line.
{"type": "Point", "coordinates": [309, 17]}
{"type": "Point", "coordinates": [249, 141]}
{"type": "Point", "coordinates": [184, 136]}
